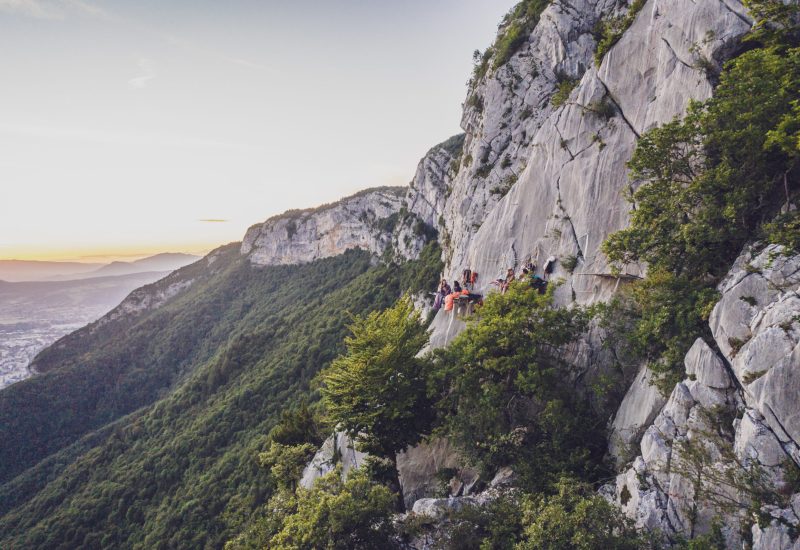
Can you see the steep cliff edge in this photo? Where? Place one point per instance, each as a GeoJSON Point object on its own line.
{"type": "Point", "coordinates": [725, 444]}
{"type": "Point", "coordinates": [569, 195]}
{"type": "Point", "coordinates": [365, 220]}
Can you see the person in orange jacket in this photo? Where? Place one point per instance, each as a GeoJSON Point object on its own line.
{"type": "Point", "coordinates": [448, 301]}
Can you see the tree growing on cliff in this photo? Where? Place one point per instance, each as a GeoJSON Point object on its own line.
{"type": "Point", "coordinates": [376, 391]}
{"type": "Point", "coordinates": [707, 184]}
{"type": "Point", "coordinates": [504, 391]}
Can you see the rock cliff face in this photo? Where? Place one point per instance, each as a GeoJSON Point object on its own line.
{"type": "Point", "coordinates": [365, 220]}
{"type": "Point", "coordinates": [571, 159]}
{"type": "Point", "coordinates": [735, 415]}
{"type": "Point", "coordinates": [533, 176]}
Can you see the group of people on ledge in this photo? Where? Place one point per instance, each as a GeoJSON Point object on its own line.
{"type": "Point", "coordinates": [528, 274]}
{"type": "Point", "coordinates": [446, 296]}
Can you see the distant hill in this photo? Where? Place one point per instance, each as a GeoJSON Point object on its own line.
{"type": "Point", "coordinates": [168, 261]}
{"type": "Point", "coordinates": [29, 270]}
{"type": "Point", "coordinates": [200, 365]}
{"type": "Point", "coordinates": [35, 314]}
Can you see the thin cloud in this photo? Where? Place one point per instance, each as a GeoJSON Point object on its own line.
{"type": "Point", "coordinates": [213, 220]}
{"type": "Point", "coordinates": [99, 136]}
{"type": "Point", "coordinates": [51, 9]}
{"type": "Point", "coordinates": [30, 8]}
{"type": "Point", "coordinates": [148, 74]}
{"type": "Point", "coordinates": [244, 63]}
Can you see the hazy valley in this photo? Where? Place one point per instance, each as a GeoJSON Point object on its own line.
{"type": "Point", "coordinates": [59, 298]}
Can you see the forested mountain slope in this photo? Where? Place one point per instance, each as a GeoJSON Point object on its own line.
{"type": "Point", "coordinates": [231, 352]}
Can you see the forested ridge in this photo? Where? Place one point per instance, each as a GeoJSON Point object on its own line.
{"type": "Point", "coordinates": [182, 472]}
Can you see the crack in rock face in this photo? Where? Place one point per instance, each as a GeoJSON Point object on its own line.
{"type": "Point", "coordinates": [755, 383]}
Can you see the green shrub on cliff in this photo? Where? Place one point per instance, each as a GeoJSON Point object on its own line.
{"type": "Point", "coordinates": [504, 392]}
{"type": "Point", "coordinates": [706, 184]}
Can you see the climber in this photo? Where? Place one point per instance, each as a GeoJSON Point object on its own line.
{"type": "Point", "coordinates": [530, 266]}
{"type": "Point", "coordinates": [538, 283]}
{"type": "Point", "coordinates": [448, 301]}
{"type": "Point", "coordinates": [444, 290]}
{"type": "Point", "coordinates": [549, 266]}
{"type": "Point", "coordinates": [508, 280]}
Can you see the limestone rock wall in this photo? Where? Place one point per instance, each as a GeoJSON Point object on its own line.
{"type": "Point", "coordinates": [361, 221]}
{"type": "Point", "coordinates": [569, 197]}
{"type": "Point", "coordinates": [739, 407]}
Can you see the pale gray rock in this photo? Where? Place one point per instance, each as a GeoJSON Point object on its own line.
{"type": "Point", "coordinates": [337, 449]}
{"type": "Point", "coordinates": [504, 477]}
{"type": "Point", "coordinates": [361, 221]}
{"type": "Point", "coordinates": [503, 113]}
{"type": "Point", "coordinates": [419, 465]}
{"type": "Point", "coordinates": [568, 198]}
{"type": "Point", "coordinates": [436, 508]}
{"type": "Point", "coordinates": [706, 367]}
{"type": "Point", "coordinates": [774, 537]}
{"type": "Point", "coordinates": [445, 327]}
{"type": "Point", "coordinates": [570, 162]}
{"type": "Point", "coordinates": [757, 327]}
{"type": "Point", "coordinates": [755, 381]}
{"type": "Point", "coordinates": [655, 491]}
{"type": "Point", "coordinates": [756, 444]}
{"type": "Point", "coordinates": [638, 409]}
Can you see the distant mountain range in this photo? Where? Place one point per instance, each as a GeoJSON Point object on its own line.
{"type": "Point", "coordinates": [34, 314]}
{"type": "Point", "coordinates": [25, 270]}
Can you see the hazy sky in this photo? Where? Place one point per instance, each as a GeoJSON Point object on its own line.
{"type": "Point", "coordinates": [125, 124]}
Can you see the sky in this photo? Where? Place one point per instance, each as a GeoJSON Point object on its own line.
{"type": "Point", "coordinates": [140, 126]}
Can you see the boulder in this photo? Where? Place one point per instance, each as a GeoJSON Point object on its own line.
{"type": "Point", "coordinates": [418, 467]}
{"type": "Point", "coordinates": [638, 409]}
{"type": "Point", "coordinates": [739, 406]}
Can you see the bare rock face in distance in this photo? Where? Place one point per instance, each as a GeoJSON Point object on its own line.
{"type": "Point", "coordinates": [306, 235]}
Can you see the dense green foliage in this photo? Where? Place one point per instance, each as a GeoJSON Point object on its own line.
{"type": "Point", "coordinates": [565, 87]}
{"type": "Point", "coordinates": [504, 392]}
{"type": "Point", "coordinates": [504, 395]}
{"type": "Point", "coordinates": [571, 515]}
{"type": "Point", "coordinates": [336, 515]}
{"type": "Point", "coordinates": [93, 377]}
{"type": "Point", "coordinates": [576, 518]}
{"type": "Point", "coordinates": [774, 21]}
{"type": "Point", "coordinates": [515, 29]}
{"type": "Point", "coordinates": [611, 29]}
{"type": "Point", "coordinates": [183, 472]}
{"type": "Point", "coordinates": [708, 182]}
{"type": "Point", "coordinates": [376, 391]}
{"type": "Point", "coordinates": [496, 525]}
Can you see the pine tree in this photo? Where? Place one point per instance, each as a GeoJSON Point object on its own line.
{"type": "Point", "coordinates": [376, 391]}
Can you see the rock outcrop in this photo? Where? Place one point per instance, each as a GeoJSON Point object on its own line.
{"type": "Point", "coordinates": [418, 467]}
{"type": "Point", "coordinates": [338, 449]}
{"type": "Point", "coordinates": [728, 433]}
{"type": "Point", "coordinates": [570, 195]}
{"type": "Point", "coordinates": [365, 220]}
